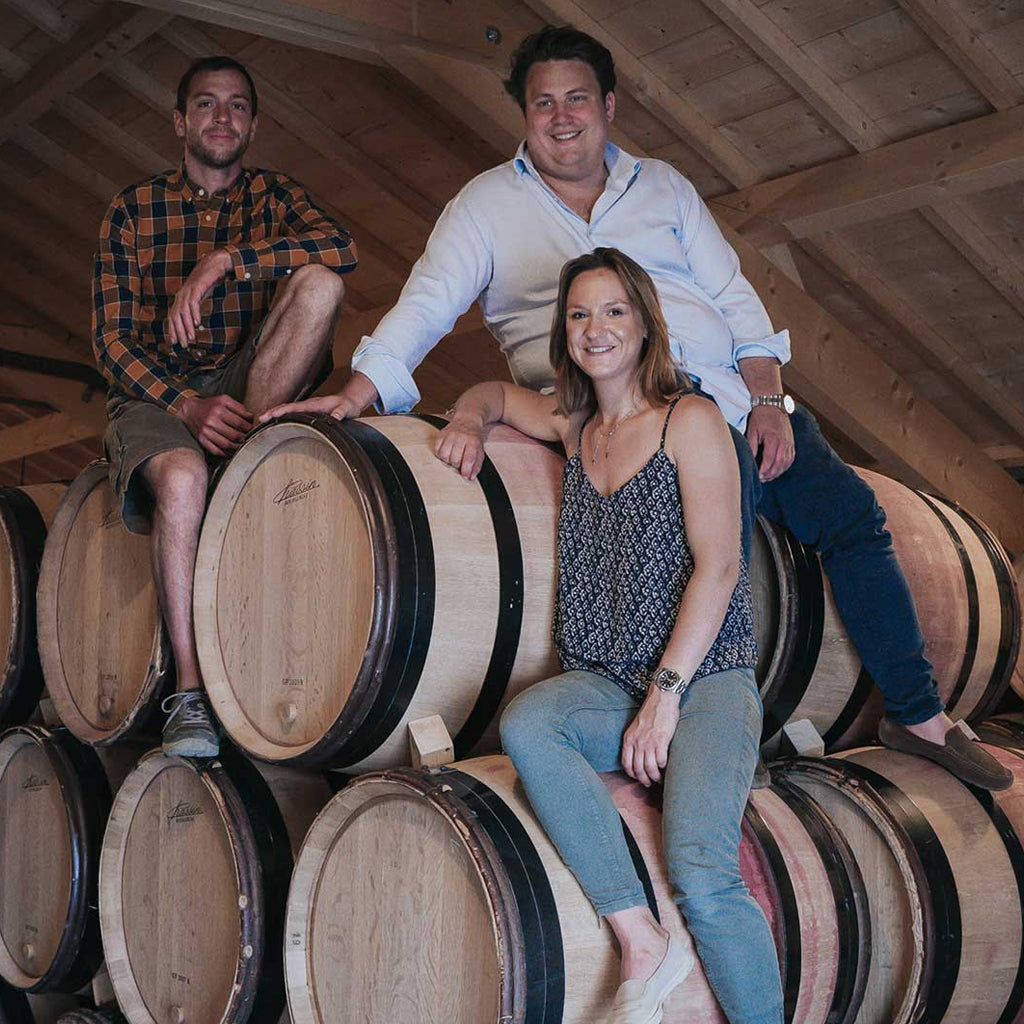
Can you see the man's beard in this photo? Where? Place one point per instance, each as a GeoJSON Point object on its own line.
{"type": "Point", "coordinates": [216, 159]}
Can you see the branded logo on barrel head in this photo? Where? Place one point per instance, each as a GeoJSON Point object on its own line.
{"type": "Point", "coordinates": [293, 681]}
{"type": "Point", "coordinates": [184, 812]}
{"type": "Point", "coordinates": [36, 782]}
{"type": "Point", "coordinates": [183, 978]}
{"type": "Point", "coordinates": [295, 490]}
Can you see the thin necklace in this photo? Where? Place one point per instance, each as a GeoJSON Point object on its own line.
{"type": "Point", "coordinates": [609, 434]}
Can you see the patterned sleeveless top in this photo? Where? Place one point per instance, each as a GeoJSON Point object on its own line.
{"type": "Point", "coordinates": [623, 564]}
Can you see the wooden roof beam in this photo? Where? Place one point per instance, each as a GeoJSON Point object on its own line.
{"type": "Point", "coordinates": [657, 96]}
{"type": "Point", "coordinates": [805, 76]}
{"type": "Point", "coordinates": [939, 20]}
{"type": "Point", "coordinates": [355, 29]}
{"type": "Point", "coordinates": [114, 31]}
{"type": "Point", "coordinates": [958, 160]}
{"type": "Point", "coordinates": [44, 433]}
{"type": "Point", "coordinates": [46, 15]}
{"type": "Point", "coordinates": [317, 134]}
{"type": "Point", "coordinates": [879, 296]}
{"type": "Point", "coordinates": [67, 163]}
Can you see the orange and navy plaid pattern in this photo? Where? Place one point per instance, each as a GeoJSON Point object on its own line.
{"type": "Point", "coordinates": [151, 238]}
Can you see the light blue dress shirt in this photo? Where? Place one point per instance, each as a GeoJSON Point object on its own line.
{"type": "Point", "coordinates": [503, 240]}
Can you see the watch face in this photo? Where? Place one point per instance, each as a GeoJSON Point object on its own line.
{"type": "Point", "coordinates": [788, 404]}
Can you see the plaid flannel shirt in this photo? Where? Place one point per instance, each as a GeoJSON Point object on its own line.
{"type": "Point", "coordinates": [151, 238]}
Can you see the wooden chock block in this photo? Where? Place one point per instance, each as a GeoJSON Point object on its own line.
{"type": "Point", "coordinates": [802, 736]}
{"type": "Point", "coordinates": [430, 745]}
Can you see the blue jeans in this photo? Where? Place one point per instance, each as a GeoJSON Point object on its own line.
{"type": "Point", "coordinates": [825, 505]}
{"type": "Point", "coordinates": [563, 731]}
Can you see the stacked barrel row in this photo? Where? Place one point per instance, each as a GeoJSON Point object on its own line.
{"type": "Point", "coordinates": [348, 584]}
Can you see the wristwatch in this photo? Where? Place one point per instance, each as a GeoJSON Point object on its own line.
{"type": "Point", "coordinates": [783, 402]}
{"type": "Point", "coordinates": [669, 681]}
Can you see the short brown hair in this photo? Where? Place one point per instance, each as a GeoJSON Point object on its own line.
{"type": "Point", "coordinates": [217, 62]}
{"type": "Point", "coordinates": [659, 377]}
{"type": "Point", "coordinates": [564, 43]}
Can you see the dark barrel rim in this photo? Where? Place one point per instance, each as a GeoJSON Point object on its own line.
{"type": "Point", "coordinates": [263, 862]}
{"type": "Point", "coordinates": [933, 875]}
{"type": "Point", "coordinates": [517, 879]}
{"type": "Point", "coordinates": [801, 626]}
{"type": "Point", "coordinates": [87, 801]}
{"type": "Point", "coordinates": [22, 683]}
{"type": "Point", "coordinates": [853, 913]}
{"type": "Point", "coordinates": [143, 718]}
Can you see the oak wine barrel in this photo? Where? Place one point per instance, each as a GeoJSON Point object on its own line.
{"type": "Point", "coordinates": [103, 1015]}
{"type": "Point", "coordinates": [943, 866]}
{"type": "Point", "coordinates": [54, 800]}
{"type": "Point", "coordinates": [25, 514]}
{"type": "Point", "coordinates": [963, 587]}
{"type": "Point", "coordinates": [193, 879]}
{"type": "Point", "coordinates": [347, 583]}
{"type": "Point", "coordinates": [435, 896]}
{"type": "Point", "coordinates": [105, 654]}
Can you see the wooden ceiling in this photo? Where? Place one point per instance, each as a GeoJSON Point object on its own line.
{"type": "Point", "coordinates": [866, 157]}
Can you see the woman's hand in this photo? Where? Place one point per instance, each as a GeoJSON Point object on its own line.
{"type": "Point", "coordinates": [646, 741]}
{"type": "Point", "coordinates": [461, 445]}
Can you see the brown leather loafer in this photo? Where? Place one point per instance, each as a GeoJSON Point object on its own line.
{"type": "Point", "coordinates": [960, 755]}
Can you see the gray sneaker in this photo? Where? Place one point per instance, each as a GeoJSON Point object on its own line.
{"type": "Point", "coordinates": [189, 730]}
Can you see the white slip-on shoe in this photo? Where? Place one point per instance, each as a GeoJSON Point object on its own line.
{"type": "Point", "coordinates": [643, 1002]}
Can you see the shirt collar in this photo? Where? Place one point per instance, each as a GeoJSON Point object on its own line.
{"type": "Point", "coordinates": [622, 167]}
{"type": "Point", "coordinates": [179, 181]}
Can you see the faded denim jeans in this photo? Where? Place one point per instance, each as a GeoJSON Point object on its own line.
{"type": "Point", "coordinates": [563, 731]}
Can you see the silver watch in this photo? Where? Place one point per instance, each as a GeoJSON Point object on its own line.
{"type": "Point", "coordinates": [783, 402]}
{"type": "Point", "coordinates": [669, 681]}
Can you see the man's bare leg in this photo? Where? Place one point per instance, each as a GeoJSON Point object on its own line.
{"type": "Point", "coordinates": [178, 480]}
{"type": "Point", "coordinates": [296, 336]}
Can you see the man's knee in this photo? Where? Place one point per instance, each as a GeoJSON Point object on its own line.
{"type": "Point", "coordinates": [318, 285]}
{"type": "Point", "coordinates": [178, 480]}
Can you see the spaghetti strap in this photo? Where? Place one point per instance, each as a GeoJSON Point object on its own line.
{"type": "Point", "coordinates": [664, 429]}
{"type": "Point", "coordinates": [579, 436]}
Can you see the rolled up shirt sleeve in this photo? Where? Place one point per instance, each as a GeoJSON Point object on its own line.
{"type": "Point", "coordinates": [307, 235]}
{"type": "Point", "coordinates": [456, 266]}
{"type": "Point", "coordinates": [716, 269]}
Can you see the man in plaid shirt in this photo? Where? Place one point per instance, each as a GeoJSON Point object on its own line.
{"type": "Point", "coordinates": [216, 291]}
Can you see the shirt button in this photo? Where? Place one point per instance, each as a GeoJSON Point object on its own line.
{"type": "Point", "coordinates": [247, 275]}
{"type": "Point", "coordinates": [289, 270]}
{"type": "Point", "coordinates": [209, 217]}
{"type": "Point", "coordinates": [202, 191]}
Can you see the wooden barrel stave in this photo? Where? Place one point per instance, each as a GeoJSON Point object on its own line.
{"type": "Point", "coordinates": [193, 877]}
{"type": "Point", "coordinates": [469, 872]}
{"type": "Point", "coordinates": [54, 797]}
{"type": "Point", "coordinates": [450, 615]}
{"type": "Point", "coordinates": [939, 867]}
{"type": "Point", "coordinates": [106, 659]}
{"type": "Point", "coordinates": [962, 585]}
{"type": "Point", "coordinates": [25, 514]}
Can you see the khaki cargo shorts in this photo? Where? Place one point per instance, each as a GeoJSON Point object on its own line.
{"type": "Point", "coordinates": [138, 430]}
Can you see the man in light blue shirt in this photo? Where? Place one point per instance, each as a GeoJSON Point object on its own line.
{"type": "Point", "coordinates": [503, 240]}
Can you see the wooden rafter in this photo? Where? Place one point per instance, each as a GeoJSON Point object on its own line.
{"type": "Point", "coordinates": [884, 301]}
{"type": "Point", "coordinates": [63, 206]}
{"type": "Point", "coordinates": [45, 432]}
{"type": "Point", "coordinates": [355, 29]}
{"type": "Point", "coordinates": [953, 220]}
{"type": "Point", "coordinates": [965, 48]}
{"type": "Point", "coordinates": [958, 160]}
{"type": "Point", "coordinates": [46, 15]}
{"type": "Point", "coordinates": [67, 163]}
{"type": "Point", "coordinates": [315, 132]}
{"type": "Point", "coordinates": [113, 136]}
{"type": "Point", "coordinates": [114, 31]}
{"type": "Point", "coordinates": [657, 96]}
{"type": "Point", "coordinates": [805, 76]}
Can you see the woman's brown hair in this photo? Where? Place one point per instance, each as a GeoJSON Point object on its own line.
{"type": "Point", "coordinates": [659, 377]}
